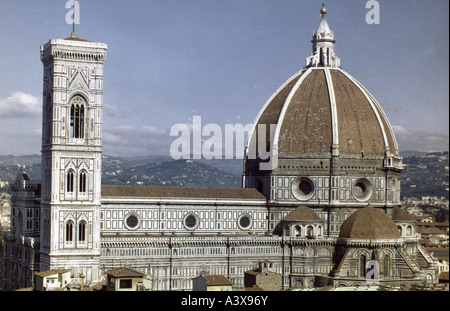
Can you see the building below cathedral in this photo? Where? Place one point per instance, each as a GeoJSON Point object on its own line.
{"type": "Point", "coordinates": [322, 208]}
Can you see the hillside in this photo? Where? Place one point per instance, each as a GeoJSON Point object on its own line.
{"type": "Point", "coordinates": [426, 175]}
{"type": "Point", "coordinates": [423, 175]}
{"type": "Point", "coordinates": [181, 173]}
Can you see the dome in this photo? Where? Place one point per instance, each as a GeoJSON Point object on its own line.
{"type": "Point", "coordinates": [319, 109]}
{"type": "Point", "coordinates": [323, 110]}
{"type": "Point", "coordinates": [369, 223]}
{"type": "Point", "coordinates": [323, 140]}
{"type": "Point", "coordinates": [400, 215]}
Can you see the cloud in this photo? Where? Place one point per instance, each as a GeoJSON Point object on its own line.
{"type": "Point", "coordinates": [114, 111]}
{"type": "Point", "coordinates": [136, 141]}
{"type": "Point", "coordinates": [20, 105]}
{"type": "Point", "coordinates": [20, 141]}
{"type": "Point", "coordinates": [421, 141]}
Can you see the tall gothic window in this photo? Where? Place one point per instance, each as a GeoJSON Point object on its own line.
{"type": "Point", "coordinates": [386, 267]}
{"type": "Point", "coordinates": [82, 231]}
{"type": "Point", "coordinates": [49, 119]}
{"type": "Point", "coordinates": [69, 231]}
{"type": "Point", "coordinates": [70, 180]}
{"type": "Point", "coordinates": [77, 117]}
{"type": "Point", "coordinates": [362, 266]}
{"type": "Point", "coordinates": [82, 185]}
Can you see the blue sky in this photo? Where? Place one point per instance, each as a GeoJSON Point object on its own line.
{"type": "Point", "coordinates": [170, 60]}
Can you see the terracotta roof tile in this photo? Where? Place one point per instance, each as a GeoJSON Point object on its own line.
{"type": "Point", "coordinates": [180, 192]}
{"type": "Point", "coordinates": [400, 214]}
{"type": "Point", "coordinates": [369, 223]}
{"type": "Point", "coordinates": [302, 213]}
{"type": "Point", "coordinates": [216, 279]}
{"type": "Point", "coordinates": [75, 38]}
{"type": "Point", "coordinates": [125, 272]}
{"type": "Point", "coordinates": [43, 274]}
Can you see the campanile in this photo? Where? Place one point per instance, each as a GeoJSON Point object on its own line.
{"type": "Point", "coordinates": [71, 155]}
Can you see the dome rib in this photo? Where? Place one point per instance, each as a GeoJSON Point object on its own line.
{"type": "Point", "coordinates": [366, 130]}
{"type": "Point", "coordinates": [376, 109]}
{"type": "Point", "coordinates": [391, 138]}
{"type": "Point", "coordinates": [334, 119]}
{"type": "Point", "coordinates": [252, 144]}
{"type": "Point", "coordinates": [285, 107]}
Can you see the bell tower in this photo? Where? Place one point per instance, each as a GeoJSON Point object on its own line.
{"type": "Point", "coordinates": [71, 155]}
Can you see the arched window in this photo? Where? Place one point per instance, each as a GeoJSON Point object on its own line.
{"type": "Point", "coordinates": [49, 119]}
{"type": "Point", "coordinates": [69, 231]}
{"type": "Point", "coordinates": [77, 117]}
{"type": "Point", "coordinates": [82, 231]}
{"type": "Point", "coordinates": [362, 266]}
{"type": "Point", "coordinates": [310, 231]}
{"type": "Point", "coordinates": [409, 231]}
{"type": "Point", "coordinates": [82, 186]}
{"type": "Point", "coordinates": [386, 266]}
{"type": "Point", "coordinates": [319, 231]}
{"type": "Point", "coordinates": [70, 180]}
{"type": "Point", "coordinates": [286, 230]}
{"type": "Point", "coordinates": [19, 224]}
{"type": "Point", "coordinates": [297, 230]}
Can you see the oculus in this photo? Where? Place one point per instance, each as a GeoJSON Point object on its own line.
{"type": "Point", "coordinates": [362, 189]}
{"type": "Point", "coordinates": [190, 221]}
{"type": "Point", "coordinates": [132, 221]}
{"type": "Point", "coordinates": [245, 221]}
{"type": "Point", "coordinates": [303, 188]}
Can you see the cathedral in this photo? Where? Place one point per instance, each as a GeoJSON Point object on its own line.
{"type": "Point", "coordinates": [320, 197]}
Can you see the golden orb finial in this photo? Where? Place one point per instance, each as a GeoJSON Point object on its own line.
{"type": "Point", "coordinates": [323, 10]}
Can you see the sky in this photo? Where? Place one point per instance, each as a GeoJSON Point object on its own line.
{"type": "Point", "coordinates": [169, 61]}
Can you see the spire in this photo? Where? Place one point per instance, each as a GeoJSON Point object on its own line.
{"type": "Point", "coordinates": [323, 45]}
{"type": "Point", "coordinates": [73, 35]}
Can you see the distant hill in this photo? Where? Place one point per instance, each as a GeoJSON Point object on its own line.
{"type": "Point", "coordinates": [11, 165]}
{"type": "Point", "coordinates": [425, 174]}
{"type": "Point", "coordinates": [180, 173]}
{"type": "Point", "coordinates": [412, 153]}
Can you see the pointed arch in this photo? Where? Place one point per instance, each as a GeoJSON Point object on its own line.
{"type": "Point", "coordinates": [82, 182]}
{"type": "Point", "coordinates": [77, 116]}
{"type": "Point", "coordinates": [19, 228]}
{"type": "Point", "coordinates": [82, 231]}
{"type": "Point", "coordinates": [386, 266]}
{"type": "Point", "coordinates": [362, 265]}
{"type": "Point", "coordinates": [69, 231]}
{"type": "Point", "coordinates": [70, 179]}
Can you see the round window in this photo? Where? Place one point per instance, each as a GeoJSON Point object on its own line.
{"type": "Point", "coordinates": [132, 221]}
{"type": "Point", "coordinates": [362, 189]}
{"type": "Point", "coordinates": [245, 222]}
{"type": "Point", "coordinates": [191, 221]}
{"type": "Point", "coordinates": [303, 188]}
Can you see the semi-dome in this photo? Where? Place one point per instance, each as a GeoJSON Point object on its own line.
{"type": "Point", "coordinates": [369, 223]}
